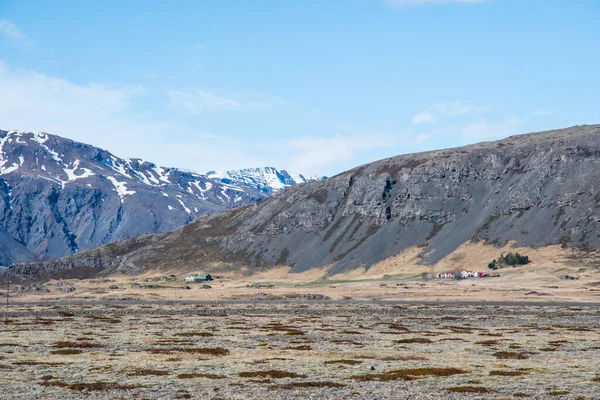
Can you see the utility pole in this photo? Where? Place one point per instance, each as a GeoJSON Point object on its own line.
{"type": "Point", "coordinates": [7, 294]}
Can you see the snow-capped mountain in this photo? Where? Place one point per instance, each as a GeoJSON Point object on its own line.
{"type": "Point", "coordinates": [268, 179]}
{"type": "Point", "coordinates": [58, 196]}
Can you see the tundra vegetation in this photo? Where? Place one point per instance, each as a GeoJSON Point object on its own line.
{"type": "Point", "coordinates": [296, 351]}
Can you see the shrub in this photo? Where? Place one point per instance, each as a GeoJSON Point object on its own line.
{"type": "Point", "coordinates": [208, 376]}
{"type": "Point", "coordinates": [270, 374]}
{"type": "Point", "coordinates": [347, 362]}
{"type": "Point", "coordinates": [408, 374]}
{"type": "Point", "coordinates": [145, 372]}
{"type": "Point", "coordinates": [217, 351]}
{"type": "Point", "coordinates": [77, 345]}
{"type": "Point", "coordinates": [507, 355]}
{"type": "Point", "coordinates": [506, 373]}
{"type": "Point", "coordinates": [299, 385]}
{"type": "Point", "coordinates": [67, 351]}
{"type": "Point", "coordinates": [91, 386]}
{"type": "Point", "coordinates": [469, 389]}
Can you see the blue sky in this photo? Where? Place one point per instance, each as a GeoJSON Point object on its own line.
{"type": "Point", "coordinates": [316, 87]}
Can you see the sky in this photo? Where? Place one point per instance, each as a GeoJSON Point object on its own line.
{"type": "Point", "coordinates": [313, 86]}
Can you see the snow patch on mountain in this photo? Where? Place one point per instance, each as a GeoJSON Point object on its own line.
{"type": "Point", "coordinates": [121, 188]}
{"type": "Point", "coordinates": [8, 170]}
{"type": "Point", "coordinates": [72, 176]}
{"type": "Point", "coordinates": [187, 210]}
{"type": "Point", "coordinates": [268, 180]}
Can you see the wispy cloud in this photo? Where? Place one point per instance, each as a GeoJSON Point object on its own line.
{"type": "Point", "coordinates": [409, 3]}
{"type": "Point", "coordinates": [197, 101]}
{"type": "Point", "coordinates": [316, 155]}
{"type": "Point", "coordinates": [94, 113]}
{"type": "Point", "coordinates": [423, 117]}
{"type": "Point", "coordinates": [313, 154]}
{"type": "Point", "coordinates": [454, 108]}
{"type": "Point", "coordinates": [447, 109]}
{"type": "Point", "coordinates": [538, 113]}
{"type": "Point", "coordinates": [14, 34]}
{"type": "Point", "coordinates": [483, 130]}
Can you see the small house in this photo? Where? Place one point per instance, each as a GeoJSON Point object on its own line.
{"type": "Point", "coordinates": [198, 278]}
{"type": "Point", "coordinates": [446, 275]}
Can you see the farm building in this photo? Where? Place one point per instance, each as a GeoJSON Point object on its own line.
{"type": "Point", "coordinates": [198, 278]}
{"type": "Point", "coordinates": [446, 275]}
{"type": "Point", "coordinates": [462, 274]}
{"type": "Point", "coordinates": [470, 274]}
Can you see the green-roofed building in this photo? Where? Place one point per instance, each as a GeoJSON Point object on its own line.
{"type": "Point", "coordinates": [198, 278]}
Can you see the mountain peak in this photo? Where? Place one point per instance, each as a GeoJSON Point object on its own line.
{"type": "Point", "coordinates": [268, 180]}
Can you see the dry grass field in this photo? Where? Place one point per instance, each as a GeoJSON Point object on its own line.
{"type": "Point", "coordinates": [276, 351]}
{"type": "Point", "coordinates": [529, 283]}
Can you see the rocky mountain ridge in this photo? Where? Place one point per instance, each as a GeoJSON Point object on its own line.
{"type": "Point", "coordinates": [58, 196]}
{"type": "Point", "coordinates": [536, 190]}
{"type": "Point", "coordinates": [268, 180]}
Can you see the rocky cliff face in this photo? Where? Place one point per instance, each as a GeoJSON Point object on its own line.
{"type": "Point", "coordinates": [58, 196]}
{"type": "Point", "coordinates": [537, 189]}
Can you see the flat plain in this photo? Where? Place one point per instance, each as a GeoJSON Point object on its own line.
{"type": "Point", "coordinates": [271, 350]}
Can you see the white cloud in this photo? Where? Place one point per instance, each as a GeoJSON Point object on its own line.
{"type": "Point", "coordinates": [421, 138]}
{"type": "Point", "coordinates": [92, 113]}
{"type": "Point", "coordinates": [409, 3]}
{"type": "Point", "coordinates": [30, 98]}
{"type": "Point", "coordinates": [483, 131]}
{"type": "Point", "coordinates": [13, 33]}
{"type": "Point", "coordinates": [448, 109]}
{"type": "Point", "coordinates": [423, 117]}
{"type": "Point", "coordinates": [314, 154]}
{"type": "Point", "coordinates": [538, 113]}
{"type": "Point", "coordinates": [106, 116]}
{"type": "Point", "coordinates": [455, 108]}
{"type": "Point", "coordinates": [197, 101]}
{"type": "Point", "coordinates": [331, 154]}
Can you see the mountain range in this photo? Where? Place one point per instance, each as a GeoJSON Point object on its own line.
{"type": "Point", "coordinates": [532, 190]}
{"type": "Point", "coordinates": [58, 196]}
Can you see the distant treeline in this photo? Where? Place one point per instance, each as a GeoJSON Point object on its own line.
{"type": "Point", "coordinates": [509, 259]}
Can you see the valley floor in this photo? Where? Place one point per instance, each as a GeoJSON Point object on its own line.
{"type": "Point", "coordinates": [520, 284]}
{"type": "Point", "coordinates": [275, 351]}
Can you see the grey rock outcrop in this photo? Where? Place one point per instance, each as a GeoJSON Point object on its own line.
{"type": "Point", "coordinates": [537, 189]}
